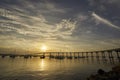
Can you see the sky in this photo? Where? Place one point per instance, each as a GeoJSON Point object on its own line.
{"type": "Point", "coordinates": [60, 24]}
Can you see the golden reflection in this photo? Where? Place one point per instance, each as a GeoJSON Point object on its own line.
{"type": "Point", "coordinates": [42, 64]}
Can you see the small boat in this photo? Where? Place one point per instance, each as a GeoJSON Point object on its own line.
{"type": "Point", "coordinates": [42, 57]}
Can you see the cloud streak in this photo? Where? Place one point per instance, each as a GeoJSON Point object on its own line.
{"type": "Point", "coordinates": [36, 26]}
{"type": "Point", "coordinates": [105, 21]}
{"type": "Point", "coordinates": [53, 23]}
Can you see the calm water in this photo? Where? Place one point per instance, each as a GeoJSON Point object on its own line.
{"type": "Point", "coordinates": [51, 69]}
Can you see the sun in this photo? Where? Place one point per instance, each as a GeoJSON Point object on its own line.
{"type": "Point", "coordinates": [44, 48]}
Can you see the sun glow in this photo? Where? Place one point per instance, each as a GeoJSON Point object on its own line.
{"type": "Point", "coordinates": [44, 48]}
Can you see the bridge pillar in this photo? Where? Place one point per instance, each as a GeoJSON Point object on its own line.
{"type": "Point", "coordinates": [97, 55]}
{"type": "Point", "coordinates": [110, 54]}
{"type": "Point", "coordinates": [62, 54]}
{"type": "Point", "coordinates": [43, 53]}
{"type": "Point", "coordinates": [74, 54]}
{"type": "Point", "coordinates": [75, 57]}
{"type": "Point", "coordinates": [82, 55]}
{"type": "Point", "coordinates": [92, 54]}
{"type": "Point", "coordinates": [50, 54]}
{"type": "Point", "coordinates": [55, 54]}
{"type": "Point", "coordinates": [58, 53]}
{"type": "Point", "coordinates": [92, 57]}
{"type": "Point", "coordinates": [118, 56]}
{"type": "Point", "coordinates": [70, 54]}
{"type": "Point", "coordinates": [103, 54]}
{"type": "Point", "coordinates": [86, 54]}
{"type": "Point", "coordinates": [66, 54]}
{"type": "Point", "coordinates": [78, 54]}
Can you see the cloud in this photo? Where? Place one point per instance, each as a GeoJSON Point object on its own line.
{"type": "Point", "coordinates": [82, 17]}
{"type": "Point", "coordinates": [66, 25]}
{"type": "Point", "coordinates": [52, 7]}
{"type": "Point", "coordinates": [93, 2]}
{"type": "Point", "coordinates": [113, 1]}
{"type": "Point", "coordinates": [65, 28]}
{"type": "Point", "coordinates": [105, 6]}
{"type": "Point", "coordinates": [36, 26]}
{"type": "Point", "coordinates": [105, 21]}
{"type": "Point", "coordinates": [47, 22]}
{"type": "Point", "coordinates": [31, 21]}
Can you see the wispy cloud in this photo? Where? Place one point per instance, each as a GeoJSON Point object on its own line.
{"type": "Point", "coordinates": [52, 7]}
{"type": "Point", "coordinates": [105, 21]}
{"type": "Point", "coordinates": [35, 26]}
{"type": "Point", "coordinates": [42, 21]}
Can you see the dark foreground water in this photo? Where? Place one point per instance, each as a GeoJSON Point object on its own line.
{"type": "Point", "coordinates": [51, 69]}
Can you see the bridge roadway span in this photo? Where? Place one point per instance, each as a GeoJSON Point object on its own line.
{"type": "Point", "coordinates": [111, 53]}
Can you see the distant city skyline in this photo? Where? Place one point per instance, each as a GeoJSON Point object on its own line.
{"type": "Point", "coordinates": [60, 24]}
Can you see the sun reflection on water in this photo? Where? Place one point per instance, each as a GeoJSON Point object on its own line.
{"type": "Point", "coordinates": [42, 64]}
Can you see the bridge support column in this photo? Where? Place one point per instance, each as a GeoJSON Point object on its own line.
{"type": "Point", "coordinates": [63, 54]}
{"type": "Point", "coordinates": [70, 54]}
{"type": "Point", "coordinates": [118, 56]}
{"type": "Point", "coordinates": [44, 54]}
{"type": "Point", "coordinates": [74, 54]}
{"type": "Point", "coordinates": [58, 53]}
{"type": "Point", "coordinates": [75, 57]}
{"type": "Point", "coordinates": [97, 55]}
{"type": "Point", "coordinates": [92, 57]}
{"type": "Point", "coordinates": [111, 57]}
{"type": "Point", "coordinates": [92, 54]}
{"type": "Point", "coordinates": [86, 54]}
{"type": "Point", "coordinates": [50, 55]}
{"type": "Point", "coordinates": [103, 54]}
{"type": "Point", "coordinates": [82, 55]}
{"type": "Point", "coordinates": [110, 54]}
{"type": "Point", "coordinates": [78, 54]}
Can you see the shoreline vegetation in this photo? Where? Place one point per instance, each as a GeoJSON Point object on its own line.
{"type": "Point", "coordinates": [114, 74]}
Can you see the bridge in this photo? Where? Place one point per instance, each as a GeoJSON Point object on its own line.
{"type": "Point", "coordinates": [110, 53]}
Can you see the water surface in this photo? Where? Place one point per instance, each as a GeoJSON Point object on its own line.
{"type": "Point", "coordinates": [51, 69]}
